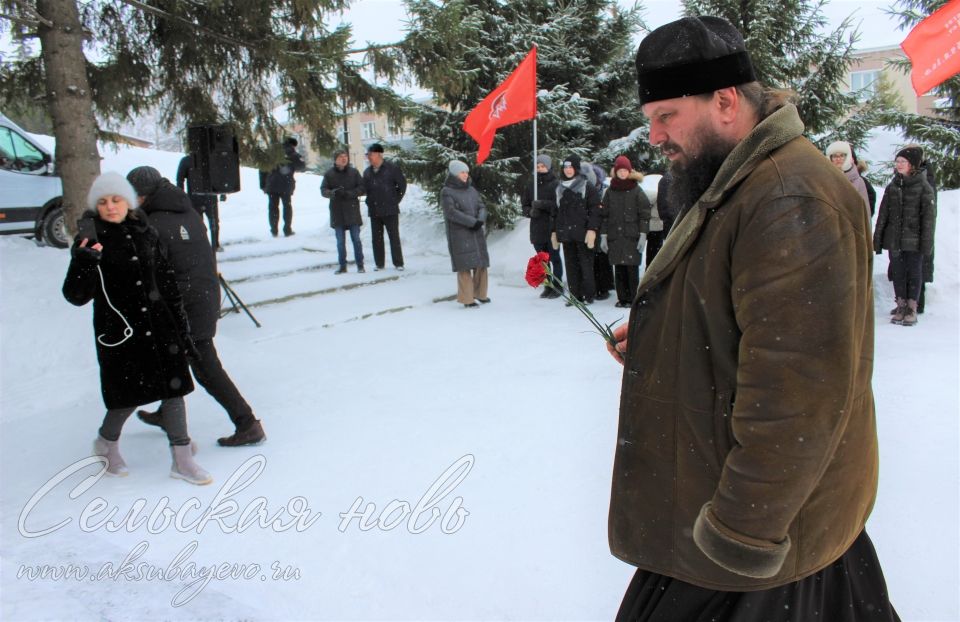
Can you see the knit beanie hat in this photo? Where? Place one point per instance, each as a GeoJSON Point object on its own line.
{"type": "Point", "coordinates": [574, 161]}
{"type": "Point", "coordinates": [145, 180]}
{"type": "Point", "coordinates": [690, 56]}
{"type": "Point", "coordinates": [375, 148]}
{"type": "Point", "coordinates": [914, 155]}
{"type": "Point", "coordinates": [456, 167]}
{"type": "Point", "coordinates": [844, 148]}
{"type": "Point", "coordinates": [110, 184]}
{"type": "Point", "coordinates": [545, 160]}
{"type": "Point", "coordinates": [622, 162]}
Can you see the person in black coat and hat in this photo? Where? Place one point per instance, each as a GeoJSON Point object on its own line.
{"type": "Point", "coordinates": [194, 265]}
{"type": "Point", "coordinates": [905, 227]}
{"type": "Point", "coordinates": [204, 203]}
{"type": "Point", "coordinates": [576, 220]}
{"type": "Point", "coordinates": [279, 185]}
{"type": "Point", "coordinates": [143, 337]}
{"type": "Point", "coordinates": [343, 185]}
{"type": "Point", "coordinates": [625, 223]}
{"type": "Point", "coordinates": [385, 186]}
{"type": "Point", "coordinates": [540, 212]}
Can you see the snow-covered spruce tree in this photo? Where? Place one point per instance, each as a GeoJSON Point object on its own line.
{"type": "Point", "coordinates": [791, 49]}
{"type": "Point", "coordinates": [939, 136]}
{"type": "Point", "coordinates": [216, 61]}
{"type": "Point", "coordinates": [463, 49]}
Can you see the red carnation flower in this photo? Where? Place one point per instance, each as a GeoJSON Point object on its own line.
{"type": "Point", "coordinates": [536, 269]}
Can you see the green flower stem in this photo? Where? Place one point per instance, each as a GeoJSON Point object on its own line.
{"type": "Point", "coordinates": [605, 330]}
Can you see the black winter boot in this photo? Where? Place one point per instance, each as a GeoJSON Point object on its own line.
{"type": "Point", "coordinates": [253, 434]}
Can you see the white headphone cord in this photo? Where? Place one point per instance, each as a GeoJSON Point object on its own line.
{"type": "Point", "coordinates": [128, 331]}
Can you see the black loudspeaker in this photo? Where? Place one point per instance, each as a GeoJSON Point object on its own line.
{"type": "Point", "coordinates": [215, 168]}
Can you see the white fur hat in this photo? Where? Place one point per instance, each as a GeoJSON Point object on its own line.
{"type": "Point", "coordinates": [107, 184]}
{"type": "Point", "coordinates": [844, 148]}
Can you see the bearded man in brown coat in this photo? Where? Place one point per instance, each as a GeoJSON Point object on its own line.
{"type": "Point", "coordinates": [746, 463]}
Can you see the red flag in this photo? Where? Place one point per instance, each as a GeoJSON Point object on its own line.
{"type": "Point", "coordinates": [513, 101]}
{"type": "Point", "coordinates": [933, 47]}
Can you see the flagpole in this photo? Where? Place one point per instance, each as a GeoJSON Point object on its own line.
{"type": "Point", "coordinates": [534, 158]}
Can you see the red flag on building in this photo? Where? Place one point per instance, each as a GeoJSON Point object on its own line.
{"type": "Point", "coordinates": [513, 101]}
{"type": "Point", "coordinates": [933, 47]}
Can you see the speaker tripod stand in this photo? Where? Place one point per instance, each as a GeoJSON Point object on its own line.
{"type": "Point", "coordinates": [235, 302]}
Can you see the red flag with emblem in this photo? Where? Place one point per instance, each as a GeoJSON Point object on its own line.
{"type": "Point", "coordinates": [513, 101]}
{"type": "Point", "coordinates": [933, 47]}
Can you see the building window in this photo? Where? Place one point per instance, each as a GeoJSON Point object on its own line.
{"type": "Point", "coordinates": [394, 130]}
{"type": "Point", "coordinates": [368, 130]}
{"type": "Point", "coordinates": [865, 83]}
{"type": "Point", "coordinates": [343, 135]}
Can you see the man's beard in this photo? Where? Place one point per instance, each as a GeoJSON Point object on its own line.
{"type": "Point", "coordinates": [692, 177]}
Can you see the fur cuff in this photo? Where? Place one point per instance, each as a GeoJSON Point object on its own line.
{"type": "Point", "coordinates": [718, 543]}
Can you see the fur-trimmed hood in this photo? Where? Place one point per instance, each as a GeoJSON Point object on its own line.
{"type": "Point", "coordinates": [635, 175]}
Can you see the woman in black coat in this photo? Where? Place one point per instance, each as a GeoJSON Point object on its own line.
{"type": "Point", "coordinates": [539, 212]}
{"type": "Point", "coordinates": [576, 219]}
{"type": "Point", "coordinates": [625, 222]}
{"type": "Point", "coordinates": [905, 228]}
{"type": "Point", "coordinates": [142, 333]}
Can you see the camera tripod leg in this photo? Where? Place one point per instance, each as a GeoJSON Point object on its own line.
{"type": "Point", "coordinates": [235, 301]}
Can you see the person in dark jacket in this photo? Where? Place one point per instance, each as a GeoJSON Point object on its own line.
{"type": "Point", "coordinates": [205, 204]}
{"type": "Point", "coordinates": [624, 224]}
{"type": "Point", "coordinates": [385, 186]}
{"type": "Point", "coordinates": [576, 219]}
{"type": "Point", "coordinates": [464, 215]}
{"type": "Point", "coordinates": [930, 171]}
{"type": "Point", "coordinates": [343, 185]}
{"type": "Point", "coordinates": [142, 333]}
{"type": "Point", "coordinates": [871, 191]}
{"type": "Point", "coordinates": [279, 186]}
{"type": "Point", "coordinates": [746, 455]}
{"type": "Point", "coordinates": [905, 228]}
{"type": "Point", "coordinates": [539, 212]}
{"type": "Point", "coordinates": [195, 268]}
{"type": "Point", "coordinates": [666, 214]}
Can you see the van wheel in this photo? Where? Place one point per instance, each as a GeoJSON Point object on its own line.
{"type": "Point", "coordinates": [55, 228]}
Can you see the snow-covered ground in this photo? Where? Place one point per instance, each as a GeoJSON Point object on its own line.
{"type": "Point", "coordinates": [476, 444]}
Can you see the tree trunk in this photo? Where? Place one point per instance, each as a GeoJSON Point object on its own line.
{"type": "Point", "coordinates": [70, 103]}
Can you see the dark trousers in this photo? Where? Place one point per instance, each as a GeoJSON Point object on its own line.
{"type": "Point", "coordinates": [213, 378]}
{"type": "Point", "coordinates": [212, 212]}
{"type": "Point", "coordinates": [628, 280]}
{"type": "Point", "coordinates": [602, 271]}
{"type": "Point", "coordinates": [655, 239]}
{"type": "Point", "coordinates": [556, 264]}
{"type": "Point", "coordinates": [579, 260]}
{"type": "Point", "coordinates": [341, 233]}
{"type": "Point", "coordinates": [907, 270]}
{"type": "Point", "coordinates": [654, 244]}
{"type": "Point", "coordinates": [392, 225]}
{"type": "Point", "coordinates": [273, 212]}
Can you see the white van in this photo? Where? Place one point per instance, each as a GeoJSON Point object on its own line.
{"type": "Point", "coordinates": [31, 194]}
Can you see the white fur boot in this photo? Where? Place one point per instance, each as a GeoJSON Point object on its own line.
{"type": "Point", "coordinates": [111, 451]}
{"type": "Point", "coordinates": [185, 468]}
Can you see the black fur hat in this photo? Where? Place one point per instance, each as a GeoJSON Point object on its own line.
{"type": "Point", "coordinates": [690, 56]}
